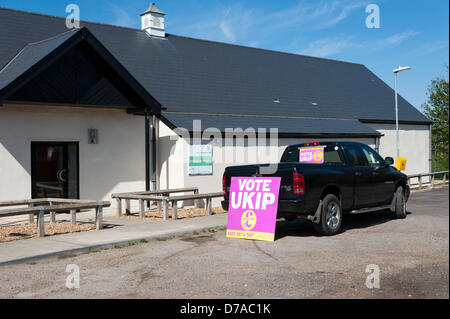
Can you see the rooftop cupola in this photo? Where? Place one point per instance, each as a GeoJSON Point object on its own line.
{"type": "Point", "coordinates": [153, 21]}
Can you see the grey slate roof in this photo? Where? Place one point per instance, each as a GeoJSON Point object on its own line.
{"type": "Point", "coordinates": [286, 126]}
{"type": "Point", "coordinates": [198, 76]}
{"type": "Point", "coordinates": [29, 56]}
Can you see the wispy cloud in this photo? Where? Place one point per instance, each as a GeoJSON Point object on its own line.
{"type": "Point", "coordinates": [237, 23]}
{"type": "Point", "coordinates": [121, 17]}
{"type": "Point", "coordinates": [330, 46]}
{"type": "Point", "coordinates": [396, 38]}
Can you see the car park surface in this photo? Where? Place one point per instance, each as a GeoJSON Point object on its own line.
{"type": "Point", "coordinates": [412, 255]}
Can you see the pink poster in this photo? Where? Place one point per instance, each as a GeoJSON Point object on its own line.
{"type": "Point", "coordinates": [312, 155]}
{"type": "Point", "coordinates": [253, 206]}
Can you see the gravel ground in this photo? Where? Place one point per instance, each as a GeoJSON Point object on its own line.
{"type": "Point", "coordinates": [412, 255]}
{"type": "Point", "coordinates": [181, 213]}
{"type": "Point", "coordinates": [25, 231]}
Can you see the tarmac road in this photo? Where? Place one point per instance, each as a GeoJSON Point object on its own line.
{"type": "Point", "coordinates": [412, 255]}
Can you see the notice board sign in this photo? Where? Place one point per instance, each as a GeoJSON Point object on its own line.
{"type": "Point", "coordinates": [200, 159]}
{"type": "Point", "coordinates": [253, 206]}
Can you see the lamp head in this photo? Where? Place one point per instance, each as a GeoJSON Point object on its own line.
{"type": "Point", "coordinates": [402, 68]}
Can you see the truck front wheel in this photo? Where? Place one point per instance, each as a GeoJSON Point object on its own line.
{"type": "Point", "coordinates": [331, 216]}
{"type": "Point", "coordinates": [400, 203]}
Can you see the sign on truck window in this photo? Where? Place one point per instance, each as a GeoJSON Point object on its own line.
{"type": "Point", "coordinates": [314, 155]}
{"type": "Point", "coordinates": [253, 206]}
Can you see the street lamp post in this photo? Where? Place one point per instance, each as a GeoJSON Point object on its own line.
{"type": "Point", "coordinates": [399, 69]}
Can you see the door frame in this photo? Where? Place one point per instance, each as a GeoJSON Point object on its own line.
{"type": "Point", "coordinates": [57, 143]}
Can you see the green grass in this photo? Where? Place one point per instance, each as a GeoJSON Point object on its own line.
{"type": "Point", "coordinates": [161, 238]}
{"type": "Point", "coordinates": [64, 256]}
{"type": "Point", "coordinates": [212, 230]}
{"type": "Point", "coordinates": [91, 251]}
{"type": "Point", "coordinates": [32, 263]}
{"type": "Point", "coordinates": [143, 241]}
{"type": "Point", "coordinates": [196, 233]}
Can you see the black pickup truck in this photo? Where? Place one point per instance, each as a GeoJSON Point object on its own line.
{"type": "Point", "coordinates": [352, 178]}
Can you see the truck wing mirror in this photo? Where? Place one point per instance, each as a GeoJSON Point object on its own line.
{"type": "Point", "coordinates": [389, 161]}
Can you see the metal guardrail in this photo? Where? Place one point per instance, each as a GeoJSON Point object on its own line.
{"type": "Point", "coordinates": [41, 206]}
{"type": "Point", "coordinates": [430, 184]}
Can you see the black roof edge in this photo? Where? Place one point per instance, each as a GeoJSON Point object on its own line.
{"type": "Point", "coordinates": [288, 135]}
{"type": "Point", "coordinates": [393, 122]}
{"type": "Point", "coordinates": [83, 34]}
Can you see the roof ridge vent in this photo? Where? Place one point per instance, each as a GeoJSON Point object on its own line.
{"type": "Point", "coordinates": [153, 21]}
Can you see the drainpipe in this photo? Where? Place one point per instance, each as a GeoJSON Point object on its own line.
{"type": "Point", "coordinates": [377, 144]}
{"type": "Point", "coordinates": [147, 150]}
{"type": "Point", "coordinates": [153, 152]}
{"type": "Point", "coordinates": [158, 186]}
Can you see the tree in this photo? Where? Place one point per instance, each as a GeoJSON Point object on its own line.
{"type": "Point", "coordinates": [437, 110]}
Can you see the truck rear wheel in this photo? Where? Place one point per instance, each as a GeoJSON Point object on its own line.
{"type": "Point", "coordinates": [400, 203]}
{"type": "Point", "coordinates": [331, 216]}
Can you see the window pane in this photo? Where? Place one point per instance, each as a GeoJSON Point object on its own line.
{"type": "Point", "coordinates": [357, 157]}
{"type": "Point", "coordinates": [372, 157]}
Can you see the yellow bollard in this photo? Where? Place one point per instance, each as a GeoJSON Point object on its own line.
{"type": "Point", "coordinates": [401, 163]}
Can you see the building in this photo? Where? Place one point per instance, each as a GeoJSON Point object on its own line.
{"type": "Point", "coordinates": [93, 111]}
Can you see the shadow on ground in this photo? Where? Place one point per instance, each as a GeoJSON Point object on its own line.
{"type": "Point", "coordinates": [304, 228]}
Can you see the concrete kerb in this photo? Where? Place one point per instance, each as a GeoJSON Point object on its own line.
{"type": "Point", "coordinates": [111, 244]}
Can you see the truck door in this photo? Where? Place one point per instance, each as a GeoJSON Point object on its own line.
{"type": "Point", "coordinates": [382, 185]}
{"type": "Point", "coordinates": [362, 174]}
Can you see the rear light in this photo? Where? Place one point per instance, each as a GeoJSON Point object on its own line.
{"type": "Point", "coordinates": [311, 144]}
{"type": "Point", "coordinates": [298, 183]}
{"type": "Point", "coordinates": [224, 184]}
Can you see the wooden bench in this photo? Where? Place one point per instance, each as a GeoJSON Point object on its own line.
{"type": "Point", "coordinates": [41, 206]}
{"type": "Point", "coordinates": [163, 197]}
{"type": "Point", "coordinates": [208, 196]}
{"type": "Point", "coordinates": [149, 196]}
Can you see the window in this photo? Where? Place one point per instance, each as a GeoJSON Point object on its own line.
{"type": "Point", "coordinates": [332, 155]}
{"type": "Point", "coordinates": [357, 157]}
{"type": "Point", "coordinates": [372, 157]}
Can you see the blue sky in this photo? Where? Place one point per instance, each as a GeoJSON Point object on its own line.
{"type": "Point", "coordinates": [413, 33]}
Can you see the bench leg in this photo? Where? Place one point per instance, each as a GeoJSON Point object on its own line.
{"type": "Point", "coordinates": [165, 209]}
{"type": "Point", "coordinates": [119, 206]}
{"type": "Point", "coordinates": [40, 224]}
{"type": "Point", "coordinates": [196, 201]}
{"type": "Point", "coordinates": [208, 206]}
{"type": "Point", "coordinates": [99, 218]}
{"type": "Point", "coordinates": [73, 217]}
{"type": "Point", "coordinates": [127, 207]}
{"type": "Point", "coordinates": [141, 208]}
{"type": "Point", "coordinates": [174, 210]}
{"type": "Point", "coordinates": [53, 217]}
{"type": "Point", "coordinates": [31, 216]}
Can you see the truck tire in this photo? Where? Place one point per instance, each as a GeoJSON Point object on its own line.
{"type": "Point", "coordinates": [400, 203]}
{"type": "Point", "coordinates": [331, 216]}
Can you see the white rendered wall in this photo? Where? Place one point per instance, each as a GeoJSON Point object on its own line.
{"type": "Point", "coordinates": [414, 143]}
{"type": "Point", "coordinates": [175, 167]}
{"type": "Point", "coordinates": [116, 164]}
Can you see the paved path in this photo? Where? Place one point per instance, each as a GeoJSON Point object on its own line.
{"type": "Point", "coordinates": [412, 255]}
{"type": "Point", "coordinates": [117, 231]}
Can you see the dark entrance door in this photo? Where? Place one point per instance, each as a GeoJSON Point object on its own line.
{"type": "Point", "coordinates": [54, 170]}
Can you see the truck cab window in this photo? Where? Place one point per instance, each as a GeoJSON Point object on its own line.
{"type": "Point", "coordinates": [357, 157]}
{"type": "Point", "coordinates": [332, 155]}
{"type": "Point", "coordinates": [372, 157]}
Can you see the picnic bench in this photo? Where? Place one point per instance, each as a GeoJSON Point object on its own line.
{"type": "Point", "coordinates": [38, 208]}
{"type": "Point", "coordinates": [164, 198]}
